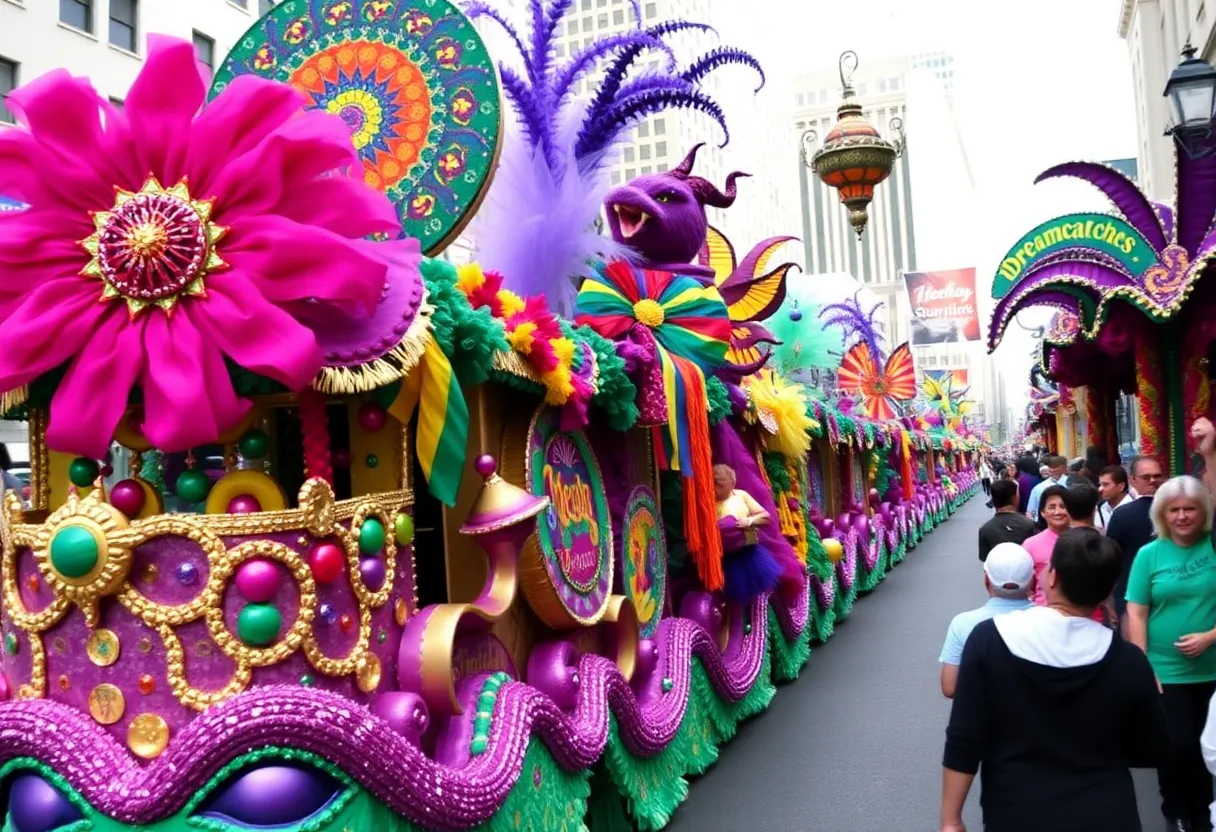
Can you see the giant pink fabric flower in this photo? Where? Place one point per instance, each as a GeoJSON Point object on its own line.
{"type": "Point", "coordinates": [162, 238]}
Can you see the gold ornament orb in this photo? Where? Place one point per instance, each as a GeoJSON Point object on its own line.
{"type": "Point", "coordinates": [103, 647]}
{"type": "Point", "coordinates": [834, 550]}
{"type": "Point", "coordinates": [368, 673]}
{"type": "Point", "coordinates": [147, 736]}
{"type": "Point", "coordinates": [107, 704]}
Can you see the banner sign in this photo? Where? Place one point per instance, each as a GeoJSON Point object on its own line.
{"type": "Point", "coordinates": [944, 309]}
{"type": "Point", "coordinates": [1101, 233]}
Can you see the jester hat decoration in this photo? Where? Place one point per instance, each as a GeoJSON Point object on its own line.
{"type": "Point", "coordinates": [690, 328]}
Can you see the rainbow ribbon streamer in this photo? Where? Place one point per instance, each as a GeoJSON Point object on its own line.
{"type": "Point", "coordinates": [691, 327]}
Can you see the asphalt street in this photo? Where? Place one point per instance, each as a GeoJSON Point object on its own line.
{"type": "Point", "coordinates": [855, 744]}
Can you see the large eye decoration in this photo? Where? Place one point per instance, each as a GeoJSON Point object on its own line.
{"type": "Point", "coordinates": [271, 796]}
{"type": "Point", "coordinates": [665, 196]}
{"type": "Point", "coordinates": [34, 805]}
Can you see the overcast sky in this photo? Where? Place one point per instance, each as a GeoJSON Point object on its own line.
{"type": "Point", "coordinates": [1037, 82]}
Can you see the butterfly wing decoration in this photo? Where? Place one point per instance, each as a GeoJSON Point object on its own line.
{"type": "Point", "coordinates": [879, 389]}
{"type": "Point", "coordinates": [751, 294]}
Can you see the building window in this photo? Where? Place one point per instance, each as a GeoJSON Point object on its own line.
{"type": "Point", "coordinates": [618, 17]}
{"type": "Point", "coordinates": [800, 99]}
{"type": "Point", "coordinates": [628, 154]}
{"type": "Point", "coordinates": [586, 5]}
{"type": "Point", "coordinates": [660, 150]}
{"type": "Point", "coordinates": [616, 177]}
{"type": "Point", "coordinates": [572, 27]}
{"type": "Point", "coordinates": [8, 83]}
{"type": "Point", "coordinates": [644, 152]}
{"type": "Point", "coordinates": [204, 47]}
{"type": "Point", "coordinates": [601, 20]}
{"type": "Point", "coordinates": [662, 168]}
{"type": "Point", "coordinates": [122, 23]}
{"type": "Point", "coordinates": [651, 11]}
{"type": "Point", "coordinates": [560, 49]}
{"type": "Point", "coordinates": [643, 129]}
{"type": "Point", "coordinates": [894, 84]}
{"type": "Point", "coordinates": [77, 13]}
{"type": "Point", "coordinates": [645, 169]}
{"type": "Point", "coordinates": [630, 173]}
{"type": "Point", "coordinates": [660, 127]}
{"type": "Point", "coordinates": [264, 6]}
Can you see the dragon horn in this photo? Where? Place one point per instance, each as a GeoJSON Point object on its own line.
{"type": "Point", "coordinates": [684, 168]}
{"type": "Point", "coordinates": [708, 194]}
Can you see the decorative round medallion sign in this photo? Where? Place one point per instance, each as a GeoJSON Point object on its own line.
{"type": "Point", "coordinates": [644, 559]}
{"type": "Point", "coordinates": [566, 569]}
{"type": "Point", "coordinates": [412, 79]}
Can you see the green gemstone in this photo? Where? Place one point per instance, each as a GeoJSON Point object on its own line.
{"type": "Point", "coordinates": [254, 444]}
{"type": "Point", "coordinates": [371, 536]}
{"type": "Point", "coordinates": [747, 629]}
{"type": "Point", "coordinates": [668, 684]}
{"type": "Point", "coordinates": [192, 486]}
{"type": "Point", "coordinates": [382, 636]}
{"type": "Point", "coordinates": [258, 625]}
{"type": "Point", "coordinates": [372, 460]}
{"type": "Point", "coordinates": [74, 551]}
{"type": "Point", "coordinates": [403, 528]}
{"type": "Point", "coordinates": [83, 472]}
{"type": "Point", "coordinates": [11, 644]}
{"type": "Point", "coordinates": [306, 680]}
{"type": "Point", "coordinates": [479, 745]}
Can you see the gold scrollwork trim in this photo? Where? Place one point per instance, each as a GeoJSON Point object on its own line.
{"type": "Point", "coordinates": [318, 514]}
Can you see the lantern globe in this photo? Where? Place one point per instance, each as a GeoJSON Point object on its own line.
{"type": "Point", "coordinates": [1191, 90]}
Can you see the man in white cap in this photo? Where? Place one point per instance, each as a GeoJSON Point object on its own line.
{"type": "Point", "coordinates": [1008, 575]}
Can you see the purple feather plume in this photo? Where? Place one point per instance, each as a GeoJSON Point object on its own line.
{"type": "Point", "coordinates": [856, 323]}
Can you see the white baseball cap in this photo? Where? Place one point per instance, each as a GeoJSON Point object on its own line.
{"type": "Point", "coordinates": [1009, 567]}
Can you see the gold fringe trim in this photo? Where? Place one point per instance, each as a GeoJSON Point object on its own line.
{"type": "Point", "coordinates": [13, 398]}
{"type": "Point", "coordinates": [512, 362]}
{"type": "Point", "coordinates": [391, 367]}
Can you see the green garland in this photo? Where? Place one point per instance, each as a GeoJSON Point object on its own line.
{"type": "Point", "coordinates": [788, 657]}
{"type": "Point", "coordinates": [719, 400]}
{"type": "Point", "coordinates": [616, 396]}
{"type": "Point", "coordinates": [778, 473]}
{"type": "Point", "coordinates": [468, 337]}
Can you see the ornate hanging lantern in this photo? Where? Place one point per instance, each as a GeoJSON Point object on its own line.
{"type": "Point", "coordinates": [854, 158]}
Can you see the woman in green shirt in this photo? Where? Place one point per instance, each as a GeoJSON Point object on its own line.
{"type": "Point", "coordinates": [1171, 616]}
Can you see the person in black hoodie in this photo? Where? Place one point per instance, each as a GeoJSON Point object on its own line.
{"type": "Point", "coordinates": [1052, 709]}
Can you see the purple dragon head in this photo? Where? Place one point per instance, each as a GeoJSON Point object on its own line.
{"type": "Point", "coordinates": [662, 215]}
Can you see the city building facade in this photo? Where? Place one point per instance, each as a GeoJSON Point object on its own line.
{"type": "Point", "coordinates": [1156, 32]}
{"type": "Point", "coordinates": [918, 216]}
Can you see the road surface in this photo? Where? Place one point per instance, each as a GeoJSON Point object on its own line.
{"type": "Point", "coordinates": [855, 744]}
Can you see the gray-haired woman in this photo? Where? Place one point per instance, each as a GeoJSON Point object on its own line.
{"type": "Point", "coordinates": [1171, 616]}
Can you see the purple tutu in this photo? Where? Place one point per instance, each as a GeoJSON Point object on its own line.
{"type": "Point", "coordinates": [750, 571]}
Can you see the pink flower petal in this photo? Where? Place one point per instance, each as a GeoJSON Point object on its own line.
{"type": "Point", "coordinates": [257, 335]}
{"type": "Point", "coordinates": [287, 261]}
{"type": "Point", "coordinates": [235, 122]}
{"type": "Point", "coordinates": [25, 174]}
{"type": "Point", "coordinates": [162, 104]}
{"type": "Point", "coordinates": [304, 148]}
{"type": "Point", "coordinates": [345, 205]}
{"type": "Point", "coordinates": [53, 323]}
{"type": "Point", "coordinates": [93, 395]}
{"type": "Point", "coordinates": [36, 246]}
{"type": "Point", "coordinates": [188, 396]}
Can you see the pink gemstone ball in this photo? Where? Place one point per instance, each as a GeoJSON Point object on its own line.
{"type": "Point", "coordinates": [371, 417]}
{"type": "Point", "coordinates": [244, 504]}
{"type": "Point", "coordinates": [258, 581]}
{"type": "Point", "coordinates": [485, 465]}
{"type": "Point", "coordinates": [128, 497]}
{"type": "Point", "coordinates": [327, 562]}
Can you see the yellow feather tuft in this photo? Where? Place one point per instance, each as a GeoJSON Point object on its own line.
{"type": "Point", "coordinates": [558, 386]}
{"type": "Point", "coordinates": [522, 337]}
{"type": "Point", "coordinates": [469, 278]}
{"type": "Point", "coordinates": [512, 304]}
{"type": "Point", "coordinates": [785, 401]}
{"type": "Point", "coordinates": [563, 348]}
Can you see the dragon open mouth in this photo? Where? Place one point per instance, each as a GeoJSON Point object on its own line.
{"type": "Point", "coordinates": [631, 219]}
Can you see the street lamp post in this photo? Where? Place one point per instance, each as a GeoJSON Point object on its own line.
{"type": "Point", "coordinates": [1191, 90]}
{"type": "Point", "coordinates": [853, 159]}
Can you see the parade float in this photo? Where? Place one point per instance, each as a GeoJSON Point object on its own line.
{"type": "Point", "coordinates": [397, 544]}
{"type": "Point", "coordinates": [1132, 314]}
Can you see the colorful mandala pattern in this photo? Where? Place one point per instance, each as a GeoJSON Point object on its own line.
{"type": "Point", "coordinates": [414, 82]}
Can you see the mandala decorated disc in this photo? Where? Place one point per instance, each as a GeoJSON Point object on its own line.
{"type": "Point", "coordinates": [412, 79]}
